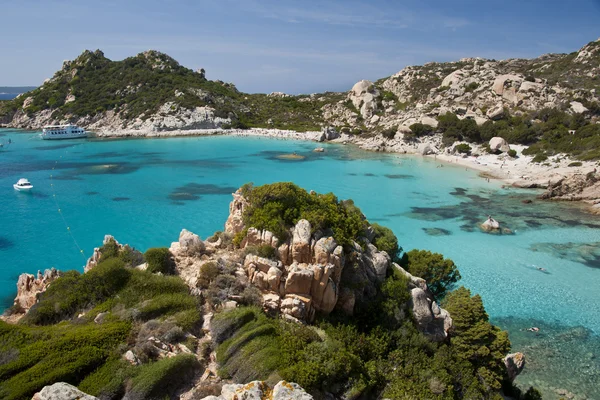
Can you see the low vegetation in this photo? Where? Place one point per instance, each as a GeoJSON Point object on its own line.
{"type": "Point", "coordinates": [279, 206]}
{"type": "Point", "coordinates": [58, 339]}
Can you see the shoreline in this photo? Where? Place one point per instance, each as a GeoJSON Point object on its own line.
{"type": "Point", "coordinates": [519, 172]}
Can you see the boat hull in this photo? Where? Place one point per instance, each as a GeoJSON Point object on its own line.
{"type": "Point", "coordinates": [65, 136]}
{"type": "Point", "coordinates": [22, 188]}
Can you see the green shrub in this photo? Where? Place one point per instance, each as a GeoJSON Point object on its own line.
{"type": "Point", "coordinates": [539, 158]}
{"type": "Point", "coordinates": [439, 272]}
{"type": "Point", "coordinates": [278, 207]}
{"type": "Point", "coordinates": [52, 354]}
{"type": "Point", "coordinates": [73, 292]}
{"type": "Point", "coordinates": [512, 153]}
{"type": "Point", "coordinates": [161, 378]}
{"type": "Point", "coordinates": [463, 148]}
{"type": "Point", "coordinates": [208, 273]}
{"type": "Point", "coordinates": [108, 381]}
{"type": "Point", "coordinates": [159, 259]}
{"type": "Point", "coordinates": [471, 87]}
{"type": "Point", "coordinates": [575, 164]}
{"type": "Point", "coordinates": [419, 129]}
{"type": "Point", "coordinates": [389, 133]}
{"type": "Point", "coordinates": [475, 339]}
{"type": "Point", "coordinates": [263, 250]}
{"type": "Point", "coordinates": [385, 240]}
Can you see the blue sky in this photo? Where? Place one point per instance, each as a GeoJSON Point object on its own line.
{"type": "Point", "coordinates": [282, 45]}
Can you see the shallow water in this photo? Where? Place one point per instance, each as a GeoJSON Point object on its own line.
{"type": "Point", "coordinates": [145, 191]}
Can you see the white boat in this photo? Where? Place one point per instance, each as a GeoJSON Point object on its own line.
{"type": "Point", "coordinates": [54, 132]}
{"type": "Point", "coordinates": [23, 185]}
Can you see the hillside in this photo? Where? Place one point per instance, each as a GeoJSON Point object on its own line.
{"type": "Point", "coordinates": [299, 287]}
{"type": "Point", "coordinates": [152, 91]}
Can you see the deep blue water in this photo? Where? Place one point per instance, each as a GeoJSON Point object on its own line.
{"type": "Point", "coordinates": [8, 96]}
{"type": "Point", "coordinates": [145, 191]}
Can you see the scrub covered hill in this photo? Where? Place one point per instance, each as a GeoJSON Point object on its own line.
{"type": "Point", "coordinates": [93, 89]}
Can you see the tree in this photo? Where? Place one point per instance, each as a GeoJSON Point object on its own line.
{"type": "Point", "coordinates": [475, 339]}
{"type": "Point", "coordinates": [439, 272]}
{"type": "Point", "coordinates": [386, 240]}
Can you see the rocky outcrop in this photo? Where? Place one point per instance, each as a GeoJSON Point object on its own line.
{"type": "Point", "coordinates": [137, 257]}
{"type": "Point", "coordinates": [515, 363]}
{"type": "Point", "coordinates": [235, 223]}
{"type": "Point", "coordinates": [363, 96]}
{"type": "Point", "coordinates": [498, 144]}
{"type": "Point", "coordinates": [575, 187]}
{"type": "Point", "coordinates": [260, 390]}
{"type": "Point", "coordinates": [432, 320]}
{"type": "Point", "coordinates": [29, 287]}
{"type": "Point", "coordinates": [62, 391]}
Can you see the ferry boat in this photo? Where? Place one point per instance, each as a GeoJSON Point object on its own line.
{"type": "Point", "coordinates": [52, 132]}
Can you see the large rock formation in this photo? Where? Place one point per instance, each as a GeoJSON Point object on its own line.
{"type": "Point", "coordinates": [498, 144]}
{"type": "Point", "coordinates": [313, 274]}
{"type": "Point", "coordinates": [61, 391]}
{"type": "Point", "coordinates": [259, 390]}
{"type": "Point", "coordinates": [432, 320]}
{"type": "Point", "coordinates": [29, 287]}
{"type": "Point", "coordinates": [575, 187]}
{"type": "Point", "coordinates": [515, 363]}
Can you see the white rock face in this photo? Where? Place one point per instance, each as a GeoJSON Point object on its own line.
{"type": "Point", "coordinates": [499, 144]}
{"type": "Point", "coordinates": [62, 391]}
{"type": "Point", "coordinates": [259, 390]}
{"type": "Point", "coordinates": [577, 107]}
{"type": "Point", "coordinates": [364, 97]}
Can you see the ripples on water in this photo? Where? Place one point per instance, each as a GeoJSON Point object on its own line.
{"type": "Point", "coordinates": [145, 191]}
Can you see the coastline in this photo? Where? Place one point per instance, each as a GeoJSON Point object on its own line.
{"type": "Point", "coordinates": [518, 172]}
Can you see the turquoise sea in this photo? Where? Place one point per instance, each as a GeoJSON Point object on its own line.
{"type": "Point", "coordinates": [145, 191]}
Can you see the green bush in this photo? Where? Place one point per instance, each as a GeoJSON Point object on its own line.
{"type": "Point", "coordinates": [389, 133]}
{"type": "Point", "coordinates": [475, 339]}
{"type": "Point", "coordinates": [159, 379]}
{"type": "Point", "coordinates": [159, 259]}
{"type": "Point", "coordinates": [73, 292]}
{"type": "Point", "coordinates": [512, 153]}
{"type": "Point", "coordinates": [419, 129]}
{"type": "Point", "coordinates": [539, 158]}
{"type": "Point", "coordinates": [471, 87]}
{"type": "Point", "coordinates": [278, 207]}
{"type": "Point", "coordinates": [575, 164]}
{"type": "Point", "coordinates": [50, 354]}
{"type": "Point", "coordinates": [385, 240]}
{"type": "Point", "coordinates": [208, 273]}
{"type": "Point", "coordinates": [463, 148]}
{"type": "Point", "coordinates": [439, 272]}
{"type": "Point", "coordinates": [263, 250]}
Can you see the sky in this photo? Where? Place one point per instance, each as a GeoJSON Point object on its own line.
{"type": "Point", "coordinates": [283, 45]}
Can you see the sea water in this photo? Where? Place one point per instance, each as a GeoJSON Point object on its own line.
{"type": "Point", "coordinates": [145, 191]}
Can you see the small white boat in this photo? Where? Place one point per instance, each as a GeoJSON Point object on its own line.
{"type": "Point", "coordinates": [23, 185]}
{"type": "Point", "coordinates": [54, 132]}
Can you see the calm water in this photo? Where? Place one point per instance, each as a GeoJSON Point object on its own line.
{"type": "Point", "coordinates": [145, 191]}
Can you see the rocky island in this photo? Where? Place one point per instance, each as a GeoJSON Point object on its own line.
{"type": "Point", "coordinates": [532, 123]}
{"type": "Point", "coordinates": [299, 297]}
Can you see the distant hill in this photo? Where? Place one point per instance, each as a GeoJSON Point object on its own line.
{"type": "Point", "coordinates": [153, 92]}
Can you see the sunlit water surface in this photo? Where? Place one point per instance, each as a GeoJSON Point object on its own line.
{"type": "Point", "coordinates": [145, 191]}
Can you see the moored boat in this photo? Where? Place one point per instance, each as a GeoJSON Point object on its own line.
{"type": "Point", "coordinates": [23, 185]}
{"type": "Point", "coordinates": [54, 132]}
